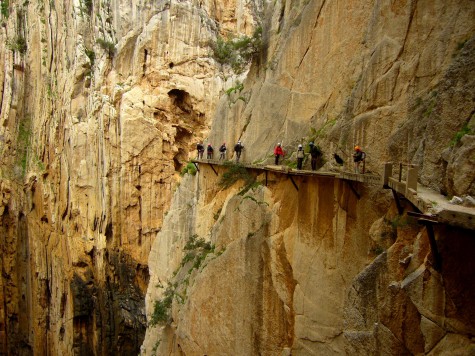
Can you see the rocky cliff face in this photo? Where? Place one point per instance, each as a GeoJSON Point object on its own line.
{"type": "Point", "coordinates": [102, 102]}
{"type": "Point", "coordinates": [320, 271]}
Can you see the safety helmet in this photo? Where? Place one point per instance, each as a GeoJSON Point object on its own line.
{"type": "Point", "coordinates": [357, 148]}
{"type": "Point", "coordinates": [300, 146]}
{"type": "Point", "coordinates": [278, 144]}
{"type": "Point", "coordinates": [239, 142]}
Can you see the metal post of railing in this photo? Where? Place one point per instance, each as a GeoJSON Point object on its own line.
{"type": "Point", "coordinates": [411, 182]}
{"type": "Point", "coordinates": [388, 172]}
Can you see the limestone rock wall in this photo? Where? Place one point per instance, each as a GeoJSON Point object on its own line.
{"type": "Point", "coordinates": [101, 104]}
{"type": "Point", "coordinates": [395, 77]}
{"type": "Point", "coordinates": [313, 271]}
{"type": "Point", "coordinates": [331, 273]}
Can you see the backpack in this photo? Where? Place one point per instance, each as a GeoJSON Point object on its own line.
{"type": "Point", "coordinates": [315, 152]}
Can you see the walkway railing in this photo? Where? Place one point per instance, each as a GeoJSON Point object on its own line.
{"type": "Point", "coordinates": [432, 205]}
{"type": "Point", "coordinates": [363, 178]}
{"type": "Point", "coordinates": [406, 180]}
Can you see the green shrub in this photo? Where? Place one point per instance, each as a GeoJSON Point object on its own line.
{"type": "Point", "coordinates": [235, 172]}
{"type": "Point", "coordinates": [465, 130]}
{"type": "Point", "coordinates": [292, 164]}
{"type": "Point", "coordinates": [197, 249]}
{"type": "Point", "coordinates": [237, 52]}
{"type": "Point", "coordinates": [160, 313]}
{"type": "Point", "coordinates": [194, 243]}
{"type": "Point", "coordinates": [17, 44]}
{"type": "Point", "coordinates": [322, 131]}
{"type": "Point", "coordinates": [91, 55]}
{"type": "Point", "coordinates": [156, 346]}
{"type": "Point", "coordinates": [106, 45]}
{"type": "Point", "coordinates": [161, 308]}
{"type": "Point", "coordinates": [4, 5]}
{"type": "Point", "coordinates": [190, 168]}
{"type": "Point", "coordinates": [235, 89]}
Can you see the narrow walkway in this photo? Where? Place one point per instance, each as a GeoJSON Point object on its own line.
{"type": "Point", "coordinates": [363, 178]}
{"type": "Point", "coordinates": [433, 206]}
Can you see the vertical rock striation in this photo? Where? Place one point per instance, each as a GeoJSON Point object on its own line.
{"type": "Point", "coordinates": [101, 104]}
{"type": "Point", "coordinates": [333, 273]}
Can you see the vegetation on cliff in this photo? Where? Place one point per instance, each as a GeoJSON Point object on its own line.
{"type": "Point", "coordinates": [237, 52]}
{"type": "Point", "coordinates": [196, 250]}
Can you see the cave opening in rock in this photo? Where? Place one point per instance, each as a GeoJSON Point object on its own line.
{"type": "Point", "coordinates": [179, 160]}
{"type": "Point", "coordinates": [181, 99]}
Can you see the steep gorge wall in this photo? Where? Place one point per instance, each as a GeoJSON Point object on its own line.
{"type": "Point", "coordinates": [280, 282]}
{"type": "Point", "coordinates": [319, 271]}
{"type": "Point", "coordinates": [93, 133]}
{"type": "Point", "coordinates": [313, 271]}
{"type": "Point", "coordinates": [395, 77]}
{"type": "Point", "coordinates": [101, 102]}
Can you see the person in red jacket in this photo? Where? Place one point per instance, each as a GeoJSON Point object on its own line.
{"type": "Point", "coordinates": [278, 151]}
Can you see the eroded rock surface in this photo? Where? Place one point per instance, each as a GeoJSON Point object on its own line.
{"type": "Point", "coordinates": [102, 103]}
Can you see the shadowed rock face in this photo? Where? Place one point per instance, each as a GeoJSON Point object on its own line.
{"type": "Point", "coordinates": [313, 271]}
{"type": "Point", "coordinates": [102, 103]}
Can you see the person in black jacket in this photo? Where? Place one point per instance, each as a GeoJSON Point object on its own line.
{"type": "Point", "coordinates": [238, 147]}
{"type": "Point", "coordinates": [200, 148]}
{"type": "Point", "coordinates": [222, 151]}
{"type": "Point", "coordinates": [315, 153]}
{"type": "Point", "coordinates": [209, 151]}
{"type": "Point", "coordinates": [358, 157]}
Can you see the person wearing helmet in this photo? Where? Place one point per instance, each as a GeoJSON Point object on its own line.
{"type": "Point", "coordinates": [358, 157]}
{"type": "Point", "coordinates": [278, 151]}
{"type": "Point", "coordinates": [222, 151]}
{"type": "Point", "coordinates": [300, 157]}
{"type": "Point", "coordinates": [209, 151]}
{"type": "Point", "coordinates": [238, 147]}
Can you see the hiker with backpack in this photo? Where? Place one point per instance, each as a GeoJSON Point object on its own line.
{"type": "Point", "coordinates": [209, 151]}
{"type": "Point", "coordinates": [315, 153]}
{"type": "Point", "coordinates": [278, 151]}
{"type": "Point", "coordinates": [222, 151]}
{"type": "Point", "coordinates": [238, 147]}
{"type": "Point", "coordinates": [200, 148]}
{"type": "Point", "coordinates": [300, 157]}
{"type": "Point", "coordinates": [358, 157]}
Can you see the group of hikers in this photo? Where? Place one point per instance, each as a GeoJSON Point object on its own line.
{"type": "Point", "coordinates": [314, 151]}
{"type": "Point", "coordinates": [238, 147]}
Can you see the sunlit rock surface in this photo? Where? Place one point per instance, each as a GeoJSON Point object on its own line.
{"type": "Point", "coordinates": [102, 103]}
